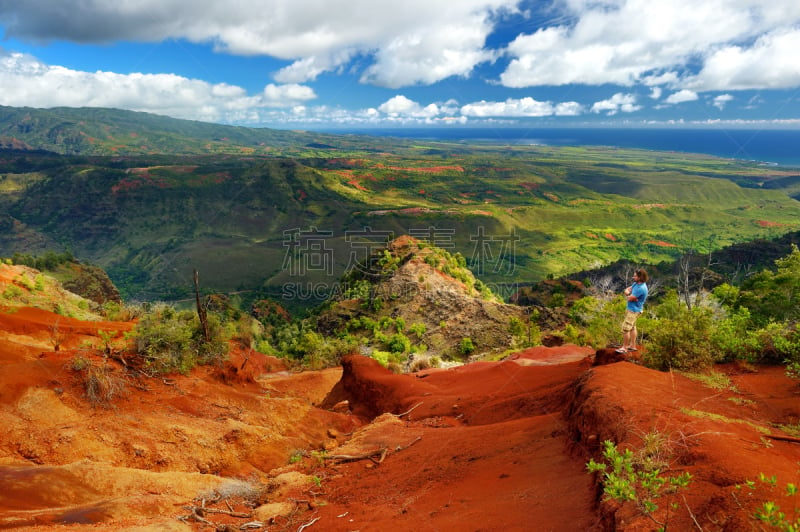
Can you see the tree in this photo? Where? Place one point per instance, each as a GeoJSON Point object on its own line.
{"type": "Point", "coordinates": [774, 296]}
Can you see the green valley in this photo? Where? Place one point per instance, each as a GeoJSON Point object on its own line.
{"type": "Point", "coordinates": [286, 213]}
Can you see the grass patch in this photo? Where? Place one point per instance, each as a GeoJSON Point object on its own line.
{"type": "Point", "coordinates": [712, 379]}
{"type": "Point", "coordinates": [719, 417]}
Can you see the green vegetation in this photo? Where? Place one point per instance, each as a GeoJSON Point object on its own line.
{"type": "Point", "coordinates": [628, 477]}
{"type": "Point", "coordinates": [466, 347]}
{"type": "Point", "coordinates": [49, 261]}
{"type": "Point", "coordinates": [712, 379]}
{"type": "Point", "coordinates": [172, 340]}
{"type": "Point", "coordinates": [149, 198]}
{"type": "Point", "coordinates": [769, 512]}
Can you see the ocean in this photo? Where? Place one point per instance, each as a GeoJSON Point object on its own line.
{"type": "Point", "coordinates": [769, 146]}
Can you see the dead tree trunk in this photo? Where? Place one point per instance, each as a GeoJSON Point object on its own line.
{"type": "Point", "coordinates": [201, 310]}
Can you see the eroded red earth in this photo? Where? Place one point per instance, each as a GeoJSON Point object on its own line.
{"type": "Point", "coordinates": [485, 446]}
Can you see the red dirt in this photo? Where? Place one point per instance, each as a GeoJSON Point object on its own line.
{"type": "Point", "coordinates": [484, 446]}
{"type": "Point", "coordinates": [766, 223]}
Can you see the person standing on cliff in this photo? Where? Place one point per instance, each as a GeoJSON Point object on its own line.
{"type": "Point", "coordinates": [636, 295]}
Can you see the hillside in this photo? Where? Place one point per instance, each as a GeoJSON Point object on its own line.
{"type": "Point", "coordinates": [485, 446]}
{"type": "Point", "coordinates": [100, 131]}
{"type": "Point", "coordinates": [424, 296]}
{"type": "Point", "coordinates": [285, 214]}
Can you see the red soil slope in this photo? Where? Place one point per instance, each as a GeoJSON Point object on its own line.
{"type": "Point", "coordinates": [486, 446]}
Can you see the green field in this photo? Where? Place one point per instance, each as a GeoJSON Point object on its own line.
{"type": "Point", "coordinates": [293, 209]}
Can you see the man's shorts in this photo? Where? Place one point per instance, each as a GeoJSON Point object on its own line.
{"type": "Point", "coordinates": [630, 320]}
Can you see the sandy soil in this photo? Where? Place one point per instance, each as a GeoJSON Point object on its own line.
{"type": "Point", "coordinates": [486, 446]}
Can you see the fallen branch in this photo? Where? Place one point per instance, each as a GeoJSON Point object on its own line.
{"type": "Point", "coordinates": [382, 452]}
{"type": "Point", "coordinates": [691, 514]}
{"type": "Point", "coordinates": [308, 524]}
{"type": "Point", "coordinates": [203, 509]}
{"type": "Point", "coordinates": [400, 448]}
{"type": "Point", "coordinates": [196, 516]}
{"type": "Point", "coordinates": [355, 457]}
{"type": "Point", "coordinates": [406, 413]}
{"type": "Point", "coordinates": [784, 438]}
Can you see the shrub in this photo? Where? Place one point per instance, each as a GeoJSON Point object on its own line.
{"type": "Point", "coordinates": [524, 334]}
{"type": "Point", "coordinates": [599, 319]}
{"type": "Point", "coordinates": [680, 338]}
{"type": "Point", "coordinates": [466, 347]}
{"type": "Point", "coordinates": [729, 335]}
{"type": "Point", "coordinates": [418, 329]}
{"type": "Point", "coordinates": [101, 385]}
{"type": "Point", "coordinates": [399, 343]}
{"type": "Point", "coordinates": [628, 478]}
{"type": "Point", "coordinates": [12, 291]}
{"type": "Point", "coordinates": [114, 311]}
{"type": "Point", "coordinates": [172, 340]}
{"type": "Point", "coordinates": [774, 296]}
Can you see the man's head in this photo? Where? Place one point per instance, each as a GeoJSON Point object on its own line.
{"type": "Point", "coordinates": [640, 276]}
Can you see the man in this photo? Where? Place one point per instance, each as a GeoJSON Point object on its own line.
{"type": "Point", "coordinates": [636, 295]}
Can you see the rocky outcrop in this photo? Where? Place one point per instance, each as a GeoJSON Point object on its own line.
{"type": "Point", "coordinates": [426, 286]}
{"type": "Point", "coordinates": [91, 282]}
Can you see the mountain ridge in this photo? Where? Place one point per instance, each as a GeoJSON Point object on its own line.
{"type": "Point", "coordinates": [104, 131]}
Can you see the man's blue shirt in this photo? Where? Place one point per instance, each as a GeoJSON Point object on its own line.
{"type": "Point", "coordinates": [640, 291]}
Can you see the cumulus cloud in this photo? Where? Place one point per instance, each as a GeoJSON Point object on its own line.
{"type": "Point", "coordinates": [626, 42]}
{"type": "Point", "coordinates": [620, 102]}
{"type": "Point", "coordinates": [682, 48]}
{"type": "Point", "coordinates": [287, 95]}
{"type": "Point", "coordinates": [410, 42]}
{"type": "Point", "coordinates": [523, 107]}
{"type": "Point", "coordinates": [684, 95]}
{"type": "Point", "coordinates": [25, 81]}
{"type": "Point", "coordinates": [721, 101]}
{"type": "Point", "coordinates": [400, 106]}
{"type": "Point", "coordinates": [772, 62]}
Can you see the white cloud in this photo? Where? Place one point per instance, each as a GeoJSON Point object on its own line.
{"type": "Point", "coordinates": [772, 62]}
{"type": "Point", "coordinates": [404, 43]}
{"type": "Point", "coordinates": [569, 109]}
{"type": "Point", "coordinates": [681, 96]}
{"type": "Point", "coordinates": [523, 107]}
{"type": "Point", "coordinates": [400, 106]}
{"type": "Point", "coordinates": [511, 107]}
{"type": "Point", "coordinates": [430, 56]}
{"type": "Point", "coordinates": [287, 95]}
{"type": "Point", "coordinates": [625, 103]}
{"type": "Point", "coordinates": [722, 100]}
{"type": "Point", "coordinates": [655, 93]}
{"type": "Point", "coordinates": [25, 81]}
{"type": "Point", "coordinates": [626, 42]}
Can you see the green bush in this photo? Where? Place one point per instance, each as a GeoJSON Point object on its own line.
{"type": "Point", "coordinates": [626, 478]}
{"type": "Point", "coordinates": [729, 335]}
{"type": "Point", "coordinates": [172, 340]}
{"type": "Point", "coordinates": [597, 321]}
{"type": "Point", "coordinates": [12, 291]}
{"type": "Point", "coordinates": [774, 296]}
{"type": "Point", "coordinates": [680, 337]}
{"type": "Point", "coordinates": [418, 329]}
{"type": "Point", "coordinates": [399, 343]}
{"type": "Point", "coordinates": [777, 343]}
{"type": "Point", "coordinates": [466, 347]}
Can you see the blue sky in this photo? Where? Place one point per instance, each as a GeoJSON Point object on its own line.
{"type": "Point", "coordinates": [363, 63]}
